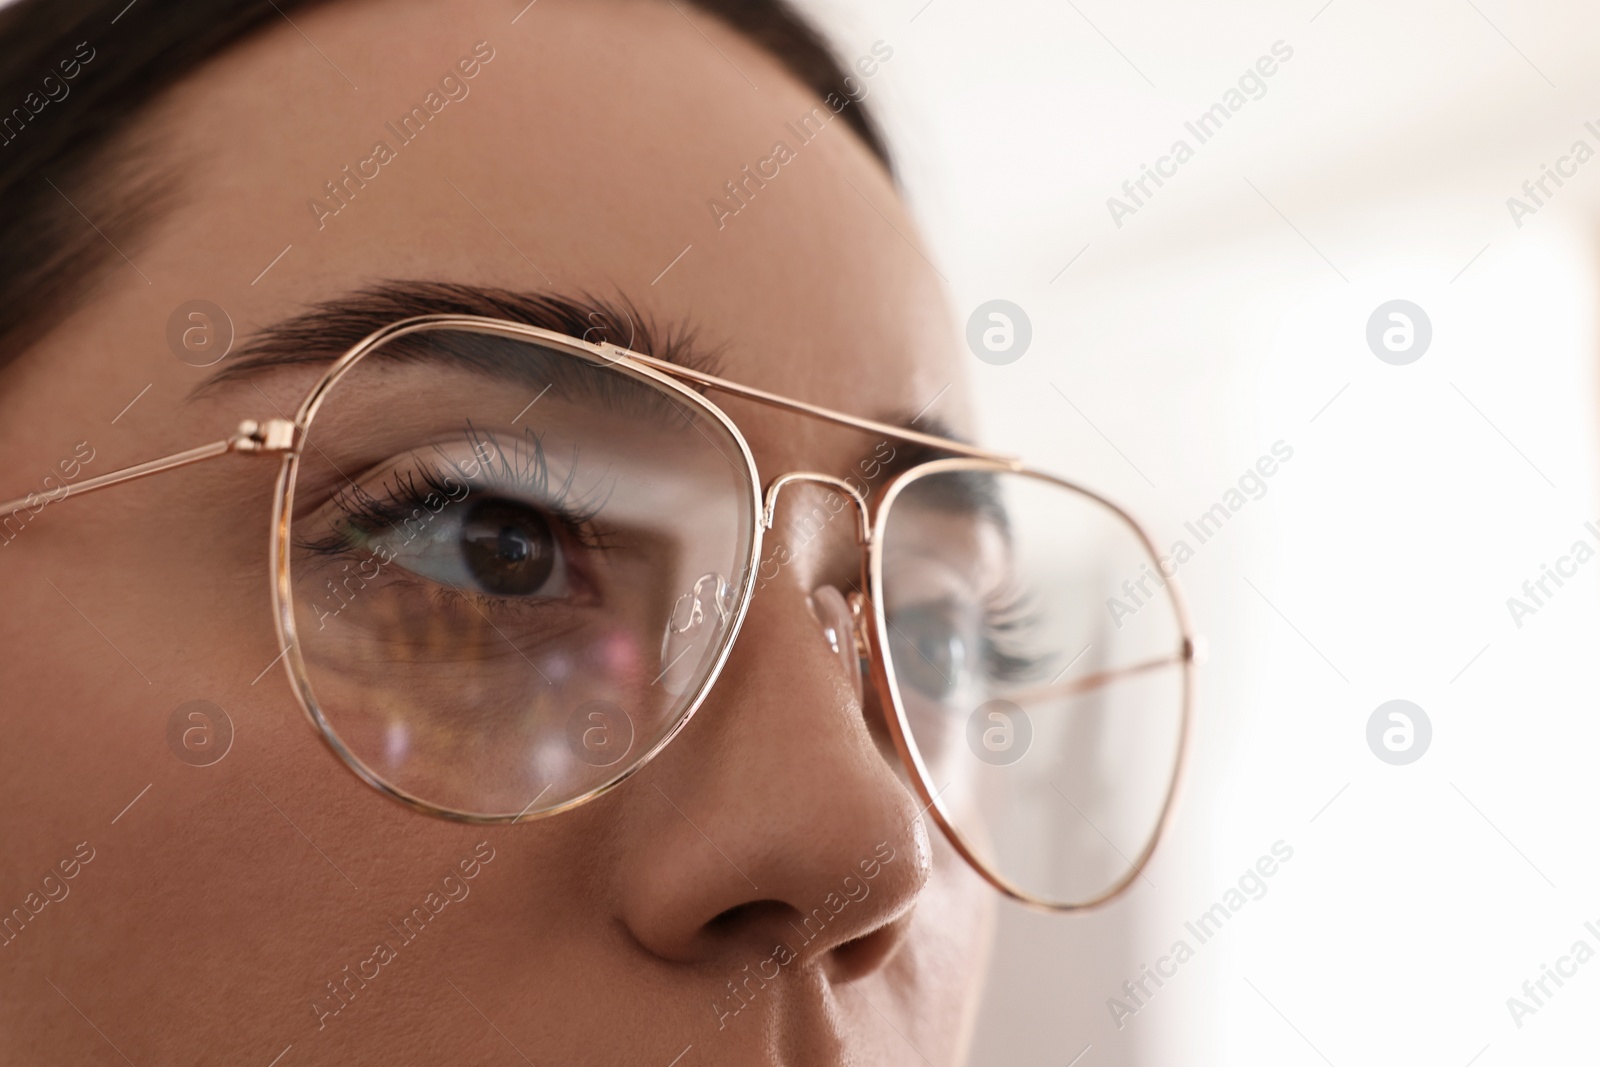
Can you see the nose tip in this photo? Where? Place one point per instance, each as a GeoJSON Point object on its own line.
{"type": "Point", "coordinates": [853, 925]}
{"type": "Point", "coordinates": [838, 897]}
{"type": "Point", "coordinates": [777, 826]}
{"type": "Point", "coordinates": [867, 940]}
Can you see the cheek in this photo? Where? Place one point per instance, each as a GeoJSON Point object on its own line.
{"type": "Point", "coordinates": [256, 857]}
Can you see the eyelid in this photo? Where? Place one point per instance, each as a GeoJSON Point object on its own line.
{"type": "Point", "coordinates": [437, 558]}
{"type": "Point", "coordinates": [389, 493]}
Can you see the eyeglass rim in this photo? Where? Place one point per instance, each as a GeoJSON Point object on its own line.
{"type": "Point", "coordinates": [666, 376]}
{"type": "Point", "coordinates": [280, 552]}
{"type": "Point", "coordinates": [900, 727]}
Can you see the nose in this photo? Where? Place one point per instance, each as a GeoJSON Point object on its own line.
{"type": "Point", "coordinates": [773, 834]}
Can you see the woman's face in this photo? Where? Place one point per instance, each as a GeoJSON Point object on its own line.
{"type": "Point", "coordinates": [270, 901]}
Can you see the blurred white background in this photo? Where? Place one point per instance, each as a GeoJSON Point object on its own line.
{"type": "Point", "coordinates": [1229, 312]}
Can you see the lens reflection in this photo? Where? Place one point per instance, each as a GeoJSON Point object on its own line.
{"type": "Point", "coordinates": [1047, 720]}
{"type": "Point", "coordinates": [503, 606]}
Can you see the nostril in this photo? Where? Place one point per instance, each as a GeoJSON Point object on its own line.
{"type": "Point", "coordinates": [860, 956]}
{"type": "Point", "coordinates": [759, 922]}
{"type": "Point", "coordinates": [751, 915]}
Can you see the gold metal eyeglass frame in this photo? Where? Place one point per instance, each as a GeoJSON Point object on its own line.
{"type": "Point", "coordinates": [287, 438]}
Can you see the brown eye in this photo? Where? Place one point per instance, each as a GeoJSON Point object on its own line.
{"type": "Point", "coordinates": [508, 548]}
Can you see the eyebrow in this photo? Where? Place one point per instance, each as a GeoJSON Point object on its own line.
{"type": "Point", "coordinates": [328, 329]}
{"type": "Point", "coordinates": [961, 491]}
{"type": "Point", "coordinates": [909, 454]}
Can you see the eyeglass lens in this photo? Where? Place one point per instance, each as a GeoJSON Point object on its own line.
{"type": "Point", "coordinates": [1047, 718]}
{"type": "Point", "coordinates": [512, 567]}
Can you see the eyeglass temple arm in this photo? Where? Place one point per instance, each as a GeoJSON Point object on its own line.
{"type": "Point", "coordinates": [1186, 654]}
{"type": "Point", "coordinates": [273, 435]}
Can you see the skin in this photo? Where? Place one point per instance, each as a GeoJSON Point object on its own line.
{"type": "Point", "coordinates": [208, 923]}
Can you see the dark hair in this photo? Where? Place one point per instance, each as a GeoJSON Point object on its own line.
{"type": "Point", "coordinates": [77, 71]}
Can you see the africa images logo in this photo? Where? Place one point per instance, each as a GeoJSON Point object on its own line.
{"type": "Point", "coordinates": [339, 194]}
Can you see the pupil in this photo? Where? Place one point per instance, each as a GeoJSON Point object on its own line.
{"type": "Point", "coordinates": [507, 547]}
{"type": "Point", "coordinates": [513, 545]}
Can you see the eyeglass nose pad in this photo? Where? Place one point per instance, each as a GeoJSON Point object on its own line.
{"type": "Point", "coordinates": [839, 618]}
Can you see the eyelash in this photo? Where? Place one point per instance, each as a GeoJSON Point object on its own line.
{"type": "Point", "coordinates": [523, 469]}
{"type": "Point", "coordinates": [1007, 618]}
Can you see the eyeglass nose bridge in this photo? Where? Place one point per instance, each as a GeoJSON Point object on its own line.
{"type": "Point", "coordinates": [776, 486]}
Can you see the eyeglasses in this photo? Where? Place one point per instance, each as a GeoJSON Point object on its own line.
{"type": "Point", "coordinates": [495, 610]}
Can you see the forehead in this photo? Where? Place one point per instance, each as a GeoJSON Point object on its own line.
{"type": "Point", "coordinates": [617, 147]}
